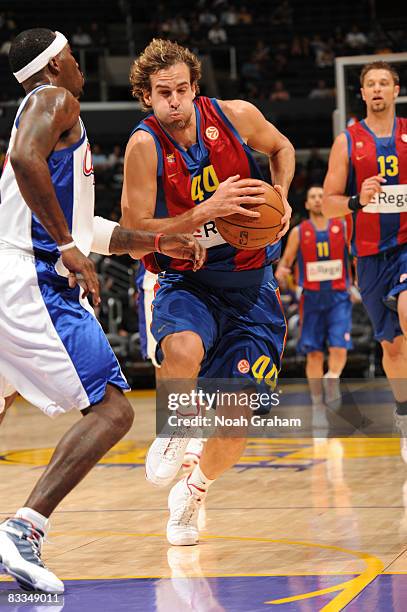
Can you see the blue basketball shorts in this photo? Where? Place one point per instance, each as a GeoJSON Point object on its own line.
{"type": "Point", "coordinates": [53, 349]}
{"type": "Point", "coordinates": [243, 330]}
{"type": "Point", "coordinates": [326, 320]}
{"type": "Point", "coordinates": [381, 278]}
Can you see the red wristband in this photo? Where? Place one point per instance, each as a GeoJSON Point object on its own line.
{"type": "Point", "coordinates": [157, 243]}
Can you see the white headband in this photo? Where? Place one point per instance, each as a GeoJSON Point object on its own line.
{"type": "Point", "coordinates": [42, 59]}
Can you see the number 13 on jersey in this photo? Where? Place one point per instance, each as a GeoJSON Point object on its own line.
{"type": "Point", "coordinates": [388, 165]}
{"type": "Point", "coordinates": [204, 184]}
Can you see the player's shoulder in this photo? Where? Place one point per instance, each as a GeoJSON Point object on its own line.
{"type": "Point", "coordinates": [141, 139]}
{"type": "Point", "coordinates": [244, 116]}
{"type": "Point", "coordinates": [342, 138]}
{"type": "Point", "coordinates": [340, 145]}
{"type": "Point", "coordinates": [51, 105]}
{"type": "Point", "coordinates": [294, 234]}
{"type": "Point", "coordinates": [141, 148]}
{"type": "Point", "coordinates": [55, 97]}
{"type": "Point", "coordinates": [237, 108]}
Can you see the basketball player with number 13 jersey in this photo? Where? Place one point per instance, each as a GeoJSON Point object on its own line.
{"type": "Point", "coordinates": [368, 162]}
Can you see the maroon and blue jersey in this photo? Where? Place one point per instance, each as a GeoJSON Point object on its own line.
{"type": "Point", "coordinates": [382, 224]}
{"type": "Point", "coordinates": [186, 178]}
{"type": "Point", "coordinates": [323, 261]}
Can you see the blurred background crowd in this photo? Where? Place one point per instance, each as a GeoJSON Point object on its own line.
{"type": "Point", "coordinates": [279, 54]}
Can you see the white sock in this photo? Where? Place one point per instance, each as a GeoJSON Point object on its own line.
{"type": "Point", "coordinates": [38, 520]}
{"type": "Point", "coordinates": [198, 480]}
{"type": "Point", "coordinates": [330, 374]}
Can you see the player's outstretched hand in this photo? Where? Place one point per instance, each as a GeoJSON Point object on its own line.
{"type": "Point", "coordinates": [183, 246]}
{"type": "Point", "coordinates": [285, 221]}
{"type": "Point", "coordinates": [232, 193]}
{"type": "Point", "coordinates": [370, 187]}
{"type": "Point", "coordinates": [81, 272]}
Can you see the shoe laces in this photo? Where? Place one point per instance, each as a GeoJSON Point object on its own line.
{"type": "Point", "coordinates": [26, 532]}
{"type": "Point", "coordinates": [172, 449]}
{"type": "Point", "coordinates": [186, 512]}
{"type": "Point", "coordinates": [36, 540]}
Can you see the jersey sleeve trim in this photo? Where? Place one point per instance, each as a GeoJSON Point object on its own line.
{"type": "Point", "coordinates": [226, 121]}
{"type": "Point", "coordinates": [146, 128]}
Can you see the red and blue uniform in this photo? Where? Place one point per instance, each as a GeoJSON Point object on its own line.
{"type": "Point", "coordinates": [323, 274]}
{"type": "Point", "coordinates": [380, 231]}
{"type": "Point", "coordinates": [187, 178]}
{"type": "Point", "coordinates": [233, 302]}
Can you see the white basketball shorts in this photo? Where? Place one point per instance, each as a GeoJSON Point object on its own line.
{"type": "Point", "coordinates": [52, 348]}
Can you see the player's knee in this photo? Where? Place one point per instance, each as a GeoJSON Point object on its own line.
{"type": "Point", "coordinates": [393, 351]}
{"type": "Point", "coordinates": [122, 416]}
{"type": "Point", "coordinates": [403, 320]}
{"type": "Point", "coordinates": [315, 357]}
{"type": "Point", "coordinates": [402, 312]}
{"type": "Point", "coordinates": [183, 352]}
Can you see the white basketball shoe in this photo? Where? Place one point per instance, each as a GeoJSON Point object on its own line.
{"type": "Point", "coordinates": [20, 555]}
{"type": "Point", "coordinates": [184, 503]}
{"type": "Point", "coordinates": [165, 456]}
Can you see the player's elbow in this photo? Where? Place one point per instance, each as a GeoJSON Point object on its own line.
{"type": "Point", "coordinates": [21, 162]}
{"type": "Point", "coordinates": [327, 208]}
{"type": "Point", "coordinates": [17, 160]}
{"type": "Point", "coordinates": [287, 146]}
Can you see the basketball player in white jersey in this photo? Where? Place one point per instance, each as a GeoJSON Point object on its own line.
{"type": "Point", "coordinates": [53, 350]}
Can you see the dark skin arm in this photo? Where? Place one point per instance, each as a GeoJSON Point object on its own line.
{"type": "Point", "coordinates": [180, 246]}
{"type": "Point", "coordinates": [50, 119]}
{"type": "Point", "coordinates": [8, 401]}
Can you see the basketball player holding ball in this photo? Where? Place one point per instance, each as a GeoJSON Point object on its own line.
{"type": "Point", "coordinates": [188, 163]}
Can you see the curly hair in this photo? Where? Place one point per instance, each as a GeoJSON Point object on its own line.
{"type": "Point", "coordinates": [159, 55]}
{"type": "Point", "coordinates": [379, 65]}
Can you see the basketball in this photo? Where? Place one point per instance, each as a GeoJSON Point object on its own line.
{"type": "Point", "coordinates": [254, 232]}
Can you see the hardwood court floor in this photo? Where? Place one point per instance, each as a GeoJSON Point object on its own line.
{"type": "Point", "coordinates": [295, 525]}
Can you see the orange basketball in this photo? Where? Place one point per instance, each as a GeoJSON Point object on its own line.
{"type": "Point", "coordinates": [254, 232]}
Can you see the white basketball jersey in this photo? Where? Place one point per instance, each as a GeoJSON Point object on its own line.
{"type": "Point", "coordinates": [71, 172]}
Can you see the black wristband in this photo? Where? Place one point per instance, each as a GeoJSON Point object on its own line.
{"type": "Point", "coordinates": [354, 203]}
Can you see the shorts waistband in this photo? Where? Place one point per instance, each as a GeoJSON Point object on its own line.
{"type": "Point", "coordinates": [51, 258]}
{"type": "Point", "coordinates": [239, 279]}
{"type": "Point", "coordinates": [10, 248]}
{"type": "Point", "coordinates": [385, 255]}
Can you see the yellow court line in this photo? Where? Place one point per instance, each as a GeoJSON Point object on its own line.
{"type": "Point", "coordinates": [349, 589]}
{"type": "Point", "coordinates": [141, 393]}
